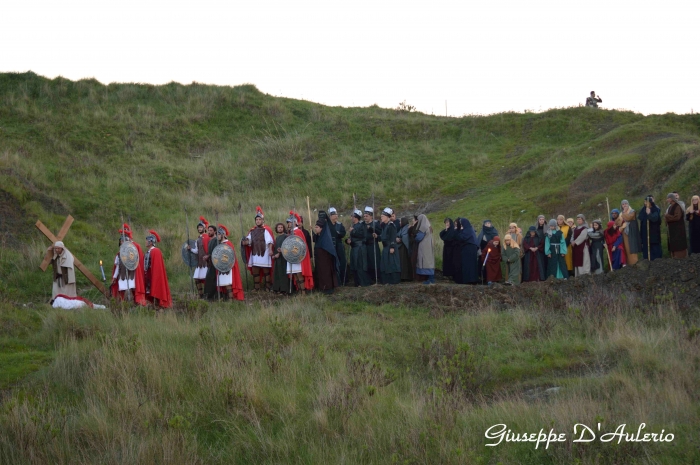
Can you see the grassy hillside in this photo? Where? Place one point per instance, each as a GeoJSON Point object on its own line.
{"type": "Point", "coordinates": [147, 152]}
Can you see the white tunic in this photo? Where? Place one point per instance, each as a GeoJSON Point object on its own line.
{"type": "Point", "coordinates": [124, 284]}
{"type": "Point", "coordinates": [201, 271]}
{"type": "Point", "coordinates": [294, 267]}
{"type": "Point", "coordinates": [265, 261]}
{"type": "Point", "coordinates": [226, 279]}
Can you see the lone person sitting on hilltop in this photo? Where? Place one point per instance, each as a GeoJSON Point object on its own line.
{"type": "Point", "coordinates": [593, 100]}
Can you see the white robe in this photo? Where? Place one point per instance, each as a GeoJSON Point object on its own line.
{"type": "Point", "coordinates": [583, 239]}
{"type": "Point", "coordinates": [124, 284]}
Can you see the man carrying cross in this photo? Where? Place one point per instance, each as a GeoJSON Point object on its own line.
{"type": "Point", "coordinates": [63, 271]}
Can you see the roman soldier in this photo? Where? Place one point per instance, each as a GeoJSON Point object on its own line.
{"type": "Point", "coordinates": [200, 250]}
{"type": "Point", "coordinates": [128, 283]}
{"type": "Point", "coordinates": [301, 273]}
{"type": "Point", "coordinates": [258, 249]}
{"type": "Point", "coordinates": [229, 283]}
{"type": "Point", "coordinates": [156, 278]}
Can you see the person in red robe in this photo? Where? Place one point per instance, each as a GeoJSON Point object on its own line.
{"type": "Point", "coordinates": [302, 272]}
{"type": "Point", "coordinates": [229, 284]}
{"type": "Point", "coordinates": [492, 260]}
{"type": "Point", "coordinates": [616, 246]}
{"type": "Point", "coordinates": [156, 278]}
{"type": "Point", "coordinates": [123, 278]}
{"type": "Point", "coordinates": [533, 261]}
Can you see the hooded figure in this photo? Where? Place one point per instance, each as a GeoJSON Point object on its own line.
{"type": "Point", "coordinates": [327, 263]}
{"type": "Point", "coordinates": [448, 236]}
{"type": "Point", "coordinates": [691, 215]}
{"type": "Point", "coordinates": [403, 243]}
{"type": "Point", "coordinates": [466, 251]}
{"type": "Point", "coordinates": [541, 227]}
{"type": "Point", "coordinates": [533, 262]}
{"type": "Point", "coordinates": [579, 243]}
{"type": "Point", "coordinates": [63, 267]}
{"type": "Point", "coordinates": [390, 263]}
{"type": "Point", "coordinates": [555, 248]}
{"type": "Point", "coordinates": [280, 280]}
{"type": "Point", "coordinates": [650, 229]}
{"type": "Point", "coordinates": [425, 261]}
{"type": "Point", "coordinates": [596, 242]}
{"type": "Point", "coordinates": [677, 239]}
{"type": "Point", "coordinates": [511, 259]}
{"type": "Point", "coordinates": [358, 253]}
{"type": "Point", "coordinates": [616, 246]}
{"type": "Point", "coordinates": [492, 261]}
{"type": "Point", "coordinates": [630, 232]}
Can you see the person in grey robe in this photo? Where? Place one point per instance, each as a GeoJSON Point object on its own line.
{"type": "Point", "coordinates": [63, 266]}
{"type": "Point", "coordinates": [425, 263]}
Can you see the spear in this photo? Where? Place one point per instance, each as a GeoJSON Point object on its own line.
{"type": "Point", "coordinates": [128, 289]}
{"type": "Point", "coordinates": [216, 218]}
{"type": "Point", "coordinates": [308, 210]}
{"type": "Point", "coordinates": [290, 265]}
{"type": "Point", "coordinates": [608, 203]}
{"type": "Point", "coordinates": [374, 243]}
{"type": "Point", "coordinates": [187, 227]}
{"type": "Point", "coordinates": [243, 256]}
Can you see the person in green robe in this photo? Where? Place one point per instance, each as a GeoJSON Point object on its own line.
{"type": "Point", "coordinates": [358, 253]}
{"type": "Point", "coordinates": [280, 279]}
{"type": "Point", "coordinates": [555, 248]}
{"type": "Point", "coordinates": [391, 263]}
{"type": "Point", "coordinates": [511, 260]}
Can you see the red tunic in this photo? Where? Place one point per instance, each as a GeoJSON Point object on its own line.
{"type": "Point", "coordinates": [157, 277]}
{"type": "Point", "coordinates": [306, 271]}
{"type": "Point", "coordinates": [493, 263]}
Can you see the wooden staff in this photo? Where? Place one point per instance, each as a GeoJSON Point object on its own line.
{"type": "Point", "coordinates": [216, 218]}
{"type": "Point", "coordinates": [128, 289]}
{"type": "Point", "coordinates": [648, 242]}
{"type": "Point", "coordinates": [187, 226]}
{"type": "Point", "coordinates": [608, 203]}
{"type": "Point", "coordinates": [308, 210]}
{"type": "Point", "coordinates": [242, 250]}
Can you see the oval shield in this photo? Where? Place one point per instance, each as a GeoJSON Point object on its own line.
{"type": "Point", "coordinates": [188, 256]}
{"type": "Point", "coordinates": [223, 258]}
{"type": "Point", "coordinates": [294, 249]}
{"type": "Point", "coordinates": [129, 255]}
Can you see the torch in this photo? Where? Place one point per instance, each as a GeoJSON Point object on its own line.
{"type": "Point", "coordinates": [484, 265]}
{"type": "Point", "coordinates": [103, 271]}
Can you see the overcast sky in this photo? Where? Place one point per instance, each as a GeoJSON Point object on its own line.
{"type": "Point", "coordinates": [480, 57]}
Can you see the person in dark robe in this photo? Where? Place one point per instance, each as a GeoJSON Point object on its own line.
{"type": "Point", "coordinates": [541, 227]}
{"type": "Point", "coordinates": [391, 263]}
{"type": "Point", "coordinates": [374, 258]}
{"type": "Point", "coordinates": [413, 246]}
{"type": "Point", "coordinates": [533, 261]}
{"type": "Point", "coordinates": [403, 243]}
{"type": "Point", "coordinates": [338, 236]}
{"type": "Point", "coordinates": [210, 288]}
{"type": "Point", "coordinates": [280, 279]}
{"type": "Point", "coordinates": [327, 263]}
{"type": "Point", "coordinates": [615, 246]}
{"type": "Point", "coordinates": [448, 248]}
{"type": "Point", "coordinates": [358, 254]}
{"type": "Point", "coordinates": [650, 229]}
{"type": "Point", "coordinates": [597, 246]}
{"type": "Point", "coordinates": [466, 250]}
{"type": "Point", "coordinates": [677, 239]}
{"type": "Point", "coordinates": [691, 216]}
{"type": "Point", "coordinates": [488, 232]}
{"type": "Point", "coordinates": [555, 248]}
{"type": "Point", "coordinates": [492, 261]}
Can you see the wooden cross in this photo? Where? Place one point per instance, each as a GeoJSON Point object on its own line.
{"type": "Point", "coordinates": [49, 254]}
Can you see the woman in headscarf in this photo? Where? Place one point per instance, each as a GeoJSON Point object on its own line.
{"type": "Point", "coordinates": [403, 243]}
{"type": "Point", "coordinates": [650, 229]}
{"type": "Point", "coordinates": [492, 261]}
{"type": "Point", "coordinates": [541, 227]}
{"type": "Point", "coordinates": [555, 248]}
{"type": "Point", "coordinates": [630, 232]}
{"type": "Point", "coordinates": [325, 255]}
{"type": "Point", "coordinates": [63, 266]}
{"type": "Point", "coordinates": [533, 261]}
{"type": "Point", "coordinates": [448, 253]}
{"type": "Point", "coordinates": [515, 233]}
{"type": "Point", "coordinates": [691, 215]}
{"type": "Point", "coordinates": [488, 232]}
{"type": "Point", "coordinates": [413, 246]}
{"type": "Point", "coordinates": [425, 262]}
{"type": "Point", "coordinates": [616, 246]}
{"type": "Point", "coordinates": [390, 264]}
{"type": "Point", "coordinates": [511, 259]}
{"type": "Point", "coordinates": [567, 232]}
{"type": "Point", "coordinates": [280, 280]}
{"type": "Point", "coordinates": [579, 242]}
{"type": "Point", "coordinates": [466, 250]}
{"type": "Point", "coordinates": [597, 246]}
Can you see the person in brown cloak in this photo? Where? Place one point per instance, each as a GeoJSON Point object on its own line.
{"type": "Point", "coordinates": [677, 240]}
{"type": "Point", "coordinates": [63, 271]}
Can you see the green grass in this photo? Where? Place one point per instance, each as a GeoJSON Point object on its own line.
{"type": "Point", "coordinates": [306, 381]}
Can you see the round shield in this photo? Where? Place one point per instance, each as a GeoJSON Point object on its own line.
{"type": "Point", "coordinates": [294, 249]}
{"type": "Point", "coordinates": [223, 258]}
{"type": "Point", "coordinates": [129, 255]}
{"type": "Point", "coordinates": [188, 256]}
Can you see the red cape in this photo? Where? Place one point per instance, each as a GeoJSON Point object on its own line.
{"type": "Point", "coordinates": [157, 276]}
{"type": "Point", "coordinates": [236, 278]}
{"type": "Point", "coordinates": [140, 290]}
{"type": "Point", "coordinates": [306, 271]}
